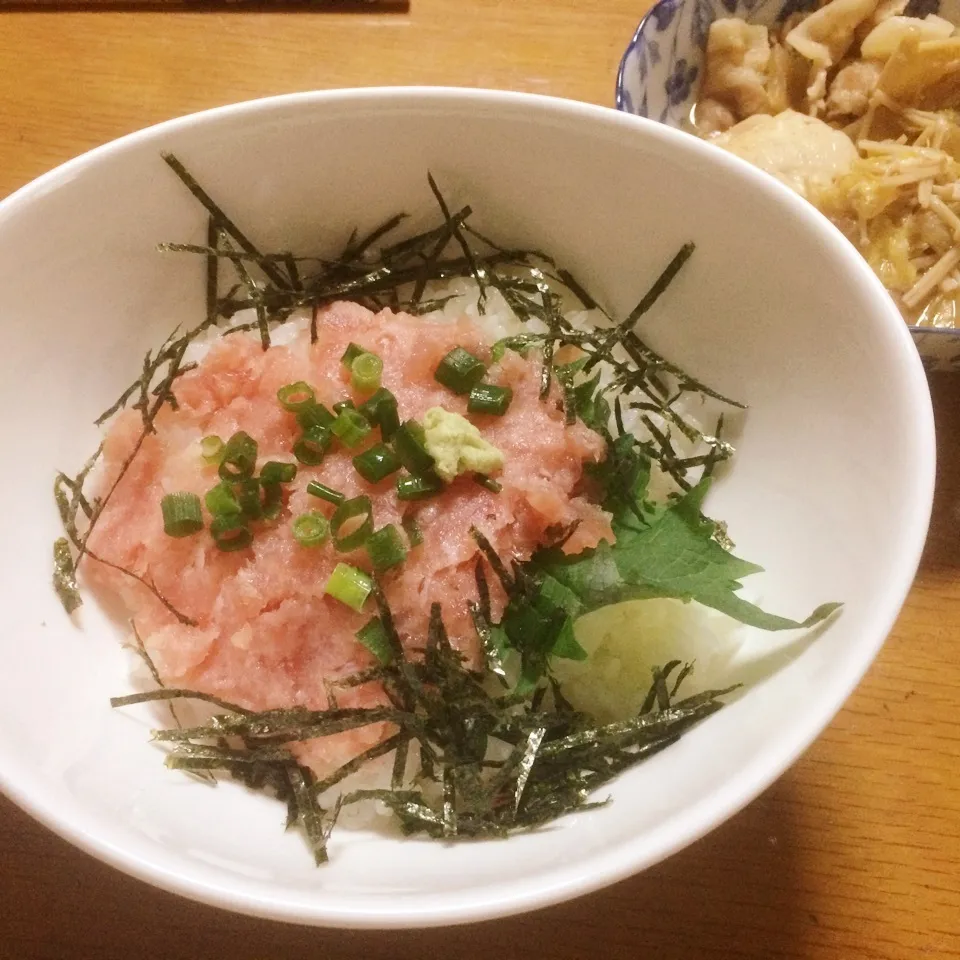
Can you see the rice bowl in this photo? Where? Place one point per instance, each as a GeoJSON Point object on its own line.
{"type": "Point", "coordinates": [266, 876]}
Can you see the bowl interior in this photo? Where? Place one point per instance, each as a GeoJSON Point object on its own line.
{"type": "Point", "coordinates": [830, 493]}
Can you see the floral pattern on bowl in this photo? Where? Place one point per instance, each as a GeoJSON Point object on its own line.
{"type": "Point", "coordinates": [660, 73]}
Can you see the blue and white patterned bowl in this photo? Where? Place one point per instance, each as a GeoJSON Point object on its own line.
{"type": "Point", "coordinates": [659, 78]}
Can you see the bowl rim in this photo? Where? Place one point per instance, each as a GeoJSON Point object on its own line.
{"type": "Point", "coordinates": [631, 46]}
{"type": "Point", "coordinates": [561, 883]}
{"type": "Point", "coordinates": [618, 97]}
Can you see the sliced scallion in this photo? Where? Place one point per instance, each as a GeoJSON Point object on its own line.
{"type": "Point", "coordinates": [311, 529]}
{"type": "Point", "coordinates": [230, 532]}
{"type": "Point", "coordinates": [314, 415]}
{"type": "Point", "coordinates": [272, 501]}
{"type": "Point", "coordinates": [351, 427]}
{"type": "Point", "coordinates": [351, 353]}
{"type": "Point", "coordinates": [385, 548]}
{"type": "Point", "coordinates": [182, 515]}
{"type": "Point", "coordinates": [221, 500]}
{"type": "Point", "coordinates": [247, 493]}
{"type": "Point", "coordinates": [418, 487]}
{"type": "Point", "coordinates": [273, 471]}
{"type": "Point", "coordinates": [317, 489]}
{"type": "Point", "coordinates": [296, 396]}
{"type": "Point", "coordinates": [459, 370]}
{"type": "Point", "coordinates": [341, 405]}
{"type": "Point", "coordinates": [365, 372]}
{"type": "Point", "coordinates": [349, 585]}
{"type": "Point", "coordinates": [377, 463]}
{"type": "Point", "coordinates": [239, 457]}
{"type": "Point", "coordinates": [381, 411]}
{"type": "Point", "coordinates": [409, 442]}
{"type": "Point", "coordinates": [489, 398]}
{"type": "Point", "coordinates": [348, 534]}
{"type": "Point", "coordinates": [373, 635]}
{"type": "Point", "coordinates": [211, 449]}
{"type": "Point", "coordinates": [312, 445]}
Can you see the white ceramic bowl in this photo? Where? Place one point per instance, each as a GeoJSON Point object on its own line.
{"type": "Point", "coordinates": [831, 491]}
{"type": "Point", "coordinates": [660, 75]}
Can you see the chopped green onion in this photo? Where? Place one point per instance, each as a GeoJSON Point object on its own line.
{"type": "Point", "coordinates": [409, 442]}
{"type": "Point", "coordinates": [381, 411]}
{"type": "Point", "coordinates": [487, 482]}
{"type": "Point", "coordinates": [373, 635]}
{"type": "Point", "coordinates": [459, 370]}
{"type": "Point", "coordinates": [272, 500]}
{"type": "Point", "coordinates": [413, 531]}
{"type": "Point", "coordinates": [347, 512]}
{"type": "Point", "coordinates": [248, 496]}
{"type": "Point", "coordinates": [365, 372]}
{"type": "Point", "coordinates": [314, 415]}
{"type": "Point", "coordinates": [418, 488]}
{"type": "Point", "coordinates": [351, 353]}
{"type": "Point", "coordinates": [317, 489]}
{"type": "Point", "coordinates": [211, 449]}
{"type": "Point", "coordinates": [349, 585]}
{"type": "Point", "coordinates": [273, 471]}
{"type": "Point", "coordinates": [239, 457]}
{"type": "Point", "coordinates": [342, 405]}
{"type": "Point", "coordinates": [377, 463]}
{"type": "Point", "coordinates": [230, 532]}
{"type": "Point", "coordinates": [221, 500]}
{"type": "Point", "coordinates": [351, 427]}
{"type": "Point", "coordinates": [296, 396]}
{"type": "Point", "coordinates": [312, 445]}
{"type": "Point", "coordinates": [311, 529]}
{"type": "Point", "coordinates": [488, 398]}
{"type": "Point", "coordinates": [181, 514]}
{"type": "Point", "coordinates": [385, 548]}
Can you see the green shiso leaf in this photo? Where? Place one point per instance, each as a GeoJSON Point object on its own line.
{"type": "Point", "coordinates": [667, 551]}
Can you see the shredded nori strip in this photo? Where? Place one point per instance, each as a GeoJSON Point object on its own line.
{"type": "Point", "coordinates": [556, 757]}
{"type": "Point", "coordinates": [65, 576]}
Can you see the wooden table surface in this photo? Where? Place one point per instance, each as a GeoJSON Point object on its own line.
{"type": "Point", "coordinates": [854, 853]}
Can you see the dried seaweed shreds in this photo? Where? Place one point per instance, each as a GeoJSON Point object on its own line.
{"type": "Point", "coordinates": [454, 227]}
{"type": "Point", "coordinates": [221, 220]}
{"type": "Point", "coordinates": [64, 576]}
{"type": "Point", "coordinates": [556, 756]}
{"type": "Point", "coordinates": [659, 287]}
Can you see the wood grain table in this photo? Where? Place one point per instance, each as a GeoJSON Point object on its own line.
{"type": "Point", "coordinates": [854, 853]}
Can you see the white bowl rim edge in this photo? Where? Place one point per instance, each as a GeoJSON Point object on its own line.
{"type": "Point", "coordinates": [698, 819]}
